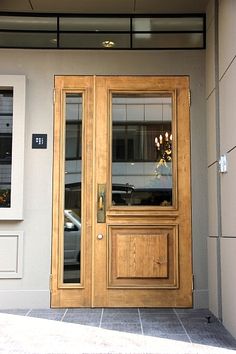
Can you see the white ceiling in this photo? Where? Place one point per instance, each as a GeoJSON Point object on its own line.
{"type": "Point", "coordinates": [105, 6]}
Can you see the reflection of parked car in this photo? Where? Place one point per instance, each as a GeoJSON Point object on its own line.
{"type": "Point", "coordinates": [152, 196]}
{"type": "Point", "coordinates": [72, 236]}
{"type": "Point", "coordinates": [127, 194]}
{"type": "Point", "coordinates": [121, 193]}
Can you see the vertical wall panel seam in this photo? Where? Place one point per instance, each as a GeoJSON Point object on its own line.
{"type": "Point", "coordinates": [219, 209]}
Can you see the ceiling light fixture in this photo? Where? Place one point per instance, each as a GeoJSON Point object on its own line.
{"type": "Point", "coordinates": [108, 44]}
{"type": "Point", "coordinates": [53, 40]}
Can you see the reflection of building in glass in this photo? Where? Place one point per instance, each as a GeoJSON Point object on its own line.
{"type": "Point", "coordinates": [72, 197]}
{"type": "Point", "coordinates": [6, 111]}
{"type": "Point", "coordinates": [138, 121]}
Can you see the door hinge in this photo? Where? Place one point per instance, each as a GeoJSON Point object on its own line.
{"type": "Point", "coordinates": [192, 282]}
{"type": "Point", "coordinates": [50, 282]}
{"type": "Point", "coordinates": [189, 98]}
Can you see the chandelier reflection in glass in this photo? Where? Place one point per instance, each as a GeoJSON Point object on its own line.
{"type": "Point", "coordinates": [164, 153]}
{"type": "Point", "coordinates": [164, 147]}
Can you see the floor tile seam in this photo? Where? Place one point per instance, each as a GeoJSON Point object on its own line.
{"type": "Point", "coordinates": [121, 323]}
{"type": "Point", "coordinates": [177, 315]}
{"type": "Point", "coordinates": [100, 322]}
{"type": "Point", "coordinates": [28, 312]}
{"type": "Point", "coordinates": [140, 320]}
{"type": "Point", "coordinates": [63, 316]}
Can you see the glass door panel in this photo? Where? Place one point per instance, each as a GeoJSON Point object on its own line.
{"type": "Point", "coordinates": [142, 149]}
{"type": "Point", "coordinates": [72, 197]}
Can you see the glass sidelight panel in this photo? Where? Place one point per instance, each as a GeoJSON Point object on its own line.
{"type": "Point", "coordinates": [142, 149]}
{"type": "Point", "coordinates": [6, 118]}
{"type": "Point", "coordinates": [72, 203]}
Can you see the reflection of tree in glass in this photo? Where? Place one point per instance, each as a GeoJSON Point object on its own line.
{"type": "Point", "coordinates": [4, 198]}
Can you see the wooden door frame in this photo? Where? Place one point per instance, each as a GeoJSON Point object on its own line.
{"type": "Point", "coordinates": [72, 295]}
{"type": "Point", "coordinates": [85, 295]}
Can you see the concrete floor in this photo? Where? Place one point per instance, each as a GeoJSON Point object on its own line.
{"type": "Point", "coordinates": [125, 330]}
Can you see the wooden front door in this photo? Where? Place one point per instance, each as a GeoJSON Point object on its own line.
{"type": "Point", "coordinates": [122, 199]}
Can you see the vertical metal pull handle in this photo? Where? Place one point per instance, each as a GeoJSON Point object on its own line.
{"type": "Point", "coordinates": [101, 203]}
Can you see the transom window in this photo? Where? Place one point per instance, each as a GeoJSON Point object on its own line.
{"type": "Point", "coordinates": [71, 31]}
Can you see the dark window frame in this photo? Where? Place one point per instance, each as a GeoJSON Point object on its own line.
{"type": "Point", "coordinates": [58, 32]}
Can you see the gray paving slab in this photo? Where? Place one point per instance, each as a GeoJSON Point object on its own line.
{"type": "Point", "coordinates": [120, 317]}
{"type": "Point", "coordinates": [50, 314]}
{"type": "Point", "coordinates": [215, 340]}
{"type": "Point", "coordinates": [123, 327]}
{"type": "Point", "coordinates": [21, 334]}
{"type": "Point", "coordinates": [19, 312]}
{"type": "Point", "coordinates": [156, 311]}
{"type": "Point", "coordinates": [123, 330]}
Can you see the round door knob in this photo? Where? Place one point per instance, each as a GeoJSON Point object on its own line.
{"type": "Point", "coordinates": [100, 236]}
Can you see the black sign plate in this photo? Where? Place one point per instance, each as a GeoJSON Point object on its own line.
{"type": "Point", "coordinates": [39, 141]}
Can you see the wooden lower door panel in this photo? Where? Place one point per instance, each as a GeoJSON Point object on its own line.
{"type": "Point", "coordinates": [143, 256]}
{"type": "Point", "coordinates": [144, 266]}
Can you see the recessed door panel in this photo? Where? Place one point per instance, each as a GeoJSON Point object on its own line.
{"type": "Point", "coordinates": [143, 256]}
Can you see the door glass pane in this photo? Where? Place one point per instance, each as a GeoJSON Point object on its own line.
{"type": "Point", "coordinates": [73, 170]}
{"type": "Point", "coordinates": [142, 149]}
{"type": "Point", "coordinates": [6, 115]}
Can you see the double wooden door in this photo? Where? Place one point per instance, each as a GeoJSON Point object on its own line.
{"type": "Point", "coordinates": [121, 192]}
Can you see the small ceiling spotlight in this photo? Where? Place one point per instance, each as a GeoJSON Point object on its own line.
{"type": "Point", "coordinates": [108, 44]}
{"type": "Point", "coordinates": [53, 40]}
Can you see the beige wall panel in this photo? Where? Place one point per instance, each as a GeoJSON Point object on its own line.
{"type": "Point", "coordinates": [15, 5]}
{"type": "Point", "coordinates": [227, 34]}
{"type": "Point", "coordinates": [228, 109]}
{"type": "Point", "coordinates": [228, 252]}
{"type": "Point", "coordinates": [40, 66]}
{"type": "Point", "coordinates": [210, 13]}
{"type": "Point", "coordinates": [228, 196]}
{"type": "Point", "coordinates": [212, 200]}
{"type": "Point", "coordinates": [211, 129]}
{"type": "Point", "coordinates": [11, 254]}
{"type": "Point", "coordinates": [8, 254]}
{"type": "Point", "coordinates": [212, 275]}
{"type": "Point", "coordinates": [210, 58]}
{"type": "Point", "coordinates": [83, 6]}
{"type": "Point", "coordinates": [24, 299]}
{"type": "Point", "coordinates": [37, 249]}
